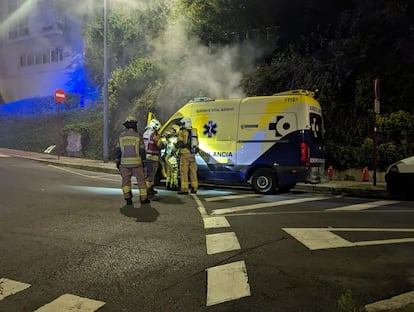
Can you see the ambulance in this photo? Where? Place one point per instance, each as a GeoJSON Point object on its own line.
{"type": "Point", "coordinates": [268, 142]}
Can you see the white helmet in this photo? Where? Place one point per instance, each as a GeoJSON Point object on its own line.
{"type": "Point", "coordinates": [186, 122]}
{"type": "Point", "coordinates": [154, 124]}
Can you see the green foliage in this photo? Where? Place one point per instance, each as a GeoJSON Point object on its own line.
{"type": "Point", "coordinates": [89, 124]}
{"type": "Point", "coordinates": [130, 31]}
{"type": "Point", "coordinates": [338, 47]}
{"type": "Point", "coordinates": [395, 133]}
{"type": "Point", "coordinates": [128, 89]}
{"type": "Point", "coordinates": [347, 303]}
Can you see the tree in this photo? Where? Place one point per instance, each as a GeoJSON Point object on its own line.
{"type": "Point", "coordinates": [130, 31]}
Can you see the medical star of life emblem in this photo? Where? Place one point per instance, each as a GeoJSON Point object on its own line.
{"type": "Point", "coordinates": [210, 129]}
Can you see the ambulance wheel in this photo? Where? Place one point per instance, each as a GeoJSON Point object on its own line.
{"type": "Point", "coordinates": [264, 181]}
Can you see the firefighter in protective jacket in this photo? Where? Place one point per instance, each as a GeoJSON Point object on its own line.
{"type": "Point", "coordinates": [130, 153]}
{"type": "Point", "coordinates": [171, 159]}
{"type": "Point", "coordinates": [152, 147]}
{"type": "Point", "coordinates": [187, 144]}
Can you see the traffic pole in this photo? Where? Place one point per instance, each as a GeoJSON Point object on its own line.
{"type": "Point", "coordinates": [60, 97]}
{"type": "Point", "coordinates": [375, 139]}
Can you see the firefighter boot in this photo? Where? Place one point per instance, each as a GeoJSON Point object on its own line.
{"type": "Point", "coordinates": [151, 191]}
{"type": "Point", "coordinates": [145, 201]}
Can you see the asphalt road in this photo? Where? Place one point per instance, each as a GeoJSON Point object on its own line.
{"type": "Point", "coordinates": [67, 239]}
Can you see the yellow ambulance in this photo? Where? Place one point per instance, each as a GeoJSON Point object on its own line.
{"type": "Point", "coordinates": [268, 142]}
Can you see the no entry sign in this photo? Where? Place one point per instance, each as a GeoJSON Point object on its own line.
{"type": "Point", "coordinates": [60, 95]}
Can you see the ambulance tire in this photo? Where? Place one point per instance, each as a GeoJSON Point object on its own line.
{"type": "Point", "coordinates": [264, 181]}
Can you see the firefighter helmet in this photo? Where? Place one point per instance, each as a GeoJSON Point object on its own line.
{"type": "Point", "coordinates": [130, 122]}
{"type": "Point", "coordinates": [186, 122]}
{"type": "Point", "coordinates": [154, 124]}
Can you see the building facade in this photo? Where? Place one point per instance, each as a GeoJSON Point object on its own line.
{"type": "Point", "coordinates": [41, 50]}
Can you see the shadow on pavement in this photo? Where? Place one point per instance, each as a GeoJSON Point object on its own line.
{"type": "Point", "coordinates": [145, 213]}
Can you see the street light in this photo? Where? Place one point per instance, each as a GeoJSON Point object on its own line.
{"type": "Point", "coordinates": [105, 91]}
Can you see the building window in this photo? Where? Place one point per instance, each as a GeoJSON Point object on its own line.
{"type": "Point", "coordinates": [46, 58]}
{"type": "Point", "coordinates": [24, 27]}
{"type": "Point", "coordinates": [30, 59]}
{"type": "Point", "coordinates": [56, 55]}
{"type": "Point", "coordinates": [38, 58]}
{"type": "Point", "coordinates": [13, 33]}
{"type": "Point", "coordinates": [23, 60]}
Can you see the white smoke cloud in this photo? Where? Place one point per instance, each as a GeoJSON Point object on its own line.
{"type": "Point", "coordinates": [198, 70]}
{"type": "Point", "coordinates": [193, 69]}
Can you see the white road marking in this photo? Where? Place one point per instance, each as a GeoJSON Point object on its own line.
{"type": "Point", "coordinates": [364, 206]}
{"type": "Point", "coordinates": [227, 282]}
{"type": "Point", "coordinates": [228, 197]}
{"type": "Point", "coordinates": [215, 222]}
{"type": "Point", "coordinates": [4, 156]}
{"type": "Point", "coordinates": [391, 304]}
{"type": "Point", "coordinates": [71, 303]}
{"type": "Point", "coordinates": [265, 205]}
{"type": "Point", "coordinates": [323, 238]}
{"type": "Point", "coordinates": [201, 208]}
{"type": "Point", "coordinates": [221, 242]}
{"type": "Point", "coordinates": [81, 174]}
{"type": "Point", "coordinates": [9, 287]}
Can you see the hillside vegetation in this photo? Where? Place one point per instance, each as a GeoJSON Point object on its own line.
{"type": "Point", "coordinates": [163, 54]}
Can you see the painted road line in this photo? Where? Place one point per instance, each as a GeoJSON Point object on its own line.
{"type": "Point", "coordinates": [221, 242]}
{"type": "Point", "coordinates": [365, 206]}
{"type": "Point", "coordinates": [391, 304]}
{"type": "Point", "coordinates": [227, 282]}
{"type": "Point", "coordinates": [215, 222]}
{"type": "Point", "coordinates": [70, 303]}
{"type": "Point", "coordinates": [81, 174]}
{"type": "Point", "coordinates": [324, 238]}
{"type": "Point", "coordinates": [265, 205]}
{"type": "Point", "coordinates": [9, 287]}
{"type": "Point", "coordinates": [228, 197]}
{"type": "Point", "coordinates": [4, 156]}
{"type": "Point", "coordinates": [201, 209]}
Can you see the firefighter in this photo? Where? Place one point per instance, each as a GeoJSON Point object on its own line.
{"type": "Point", "coordinates": [171, 159]}
{"type": "Point", "coordinates": [187, 144]}
{"type": "Point", "coordinates": [130, 153]}
{"type": "Point", "coordinates": [152, 147]}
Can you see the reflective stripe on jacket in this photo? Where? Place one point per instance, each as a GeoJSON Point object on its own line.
{"type": "Point", "coordinates": [130, 143]}
{"type": "Point", "coordinates": [150, 141]}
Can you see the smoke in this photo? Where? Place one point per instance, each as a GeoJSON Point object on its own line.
{"type": "Point", "coordinates": [194, 69]}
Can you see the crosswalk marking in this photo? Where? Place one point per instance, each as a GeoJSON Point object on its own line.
{"type": "Point", "coordinates": [221, 242]}
{"type": "Point", "coordinates": [265, 205]}
{"type": "Point", "coordinates": [324, 238]}
{"type": "Point", "coordinates": [215, 222]}
{"type": "Point", "coordinates": [228, 197]}
{"type": "Point", "coordinates": [227, 282]}
{"type": "Point", "coordinates": [65, 303]}
{"type": "Point", "coordinates": [364, 206]}
{"type": "Point", "coordinates": [9, 287]}
{"type": "Point", "coordinates": [71, 303]}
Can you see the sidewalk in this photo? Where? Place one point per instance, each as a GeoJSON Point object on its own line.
{"type": "Point", "coordinates": [351, 188]}
{"type": "Point", "coordinates": [74, 162]}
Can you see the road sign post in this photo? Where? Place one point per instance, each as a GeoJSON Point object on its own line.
{"type": "Point", "coordinates": [60, 97]}
{"type": "Point", "coordinates": [375, 139]}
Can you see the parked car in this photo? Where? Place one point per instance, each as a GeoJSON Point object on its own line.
{"type": "Point", "coordinates": [400, 178]}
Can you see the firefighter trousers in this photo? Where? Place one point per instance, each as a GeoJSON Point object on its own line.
{"type": "Point", "coordinates": [127, 173]}
{"type": "Point", "coordinates": [188, 167]}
